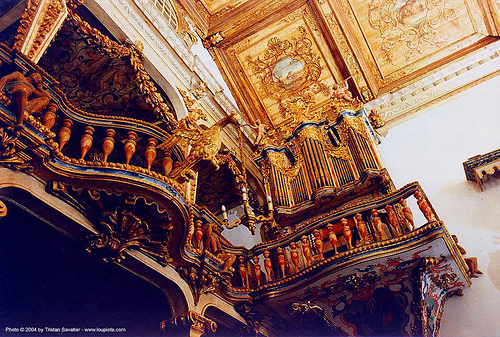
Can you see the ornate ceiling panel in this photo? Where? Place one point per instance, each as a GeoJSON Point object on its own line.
{"type": "Point", "coordinates": [402, 37]}
{"type": "Point", "coordinates": [281, 58]}
{"type": "Point", "coordinates": [285, 67]}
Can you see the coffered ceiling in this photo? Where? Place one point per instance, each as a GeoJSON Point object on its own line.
{"type": "Point", "coordinates": [282, 58]}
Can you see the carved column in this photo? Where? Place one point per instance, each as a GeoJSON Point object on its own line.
{"type": "Point", "coordinates": [190, 324]}
{"type": "Point", "coordinates": [40, 22]}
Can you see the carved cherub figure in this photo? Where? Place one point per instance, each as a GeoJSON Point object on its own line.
{"type": "Point", "coordinates": [342, 91]}
{"type": "Point", "coordinates": [261, 130]}
{"type": "Point", "coordinates": [27, 93]}
{"type": "Point", "coordinates": [424, 206]}
{"type": "Point", "coordinates": [332, 237]}
{"type": "Point", "coordinates": [393, 219]}
{"type": "Point", "coordinates": [306, 250]}
{"type": "Point", "coordinates": [295, 256]}
{"type": "Point", "coordinates": [281, 261]}
{"type": "Point", "coordinates": [407, 213]}
{"type": "Point", "coordinates": [268, 265]}
{"type": "Point", "coordinates": [378, 225]}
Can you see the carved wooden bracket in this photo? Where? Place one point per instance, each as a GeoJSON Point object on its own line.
{"type": "Point", "coordinates": [10, 156]}
{"type": "Point", "coordinates": [199, 279]}
{"type": "Point", "coordinates": [120, 221]}
{"type": "Point", "coordinates": [191, 323]}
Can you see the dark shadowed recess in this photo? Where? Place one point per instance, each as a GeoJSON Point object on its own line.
{"type": "Point", "coordinates": [49, 280]}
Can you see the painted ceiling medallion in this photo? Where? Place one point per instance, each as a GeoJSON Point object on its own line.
{"type": "Point", "coordinates": [289, 72]}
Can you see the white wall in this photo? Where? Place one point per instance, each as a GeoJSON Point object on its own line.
{"type": "Point", "coordinates": [431, 149]}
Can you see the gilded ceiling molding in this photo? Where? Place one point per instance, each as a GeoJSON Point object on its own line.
{"type": "Point", "coordinates": [404, 103]}
{"type": "Point", "coordinates": [39, 24]}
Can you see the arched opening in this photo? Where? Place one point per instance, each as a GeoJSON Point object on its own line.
{"type": "Point", "coordinates": [49, 280]}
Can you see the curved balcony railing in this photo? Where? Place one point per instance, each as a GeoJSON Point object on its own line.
{"type": "Point", "coordinates": [79, 140]}
{"type": "Point", "coordinates": [341, 233]}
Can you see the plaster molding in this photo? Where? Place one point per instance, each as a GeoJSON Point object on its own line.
{"type": "Point", "coordinates": [396, 107]}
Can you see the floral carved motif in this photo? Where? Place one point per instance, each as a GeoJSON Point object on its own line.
{"type": "Point", "coordinates": [289, 72]}
{"type": "Point", "coordinates": [414, 23]}
{"type": "Point", "coordinates": [39, 24]}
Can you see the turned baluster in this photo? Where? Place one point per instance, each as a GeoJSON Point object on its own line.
{"type": "Point", "coordinates": [318, 243]}
{"type": "Point", "coordinates": [86, 141]}
{"type": "Point", "coordinates": [306, 250]}
{"type": "Point", "coordinates": [49, 116]}
{"type": "Point", "coordinates": [167, 163]}
{"type": "Point", "coordinates": [243, 272]}
{"type": "Point", "coordinates": [108, 144]}
{"type": "Point", "coordinates": [150, 153]}
{"type": "Point", "coordinates": [295, 256]}
{"type": "Point", "coordinates": [332, 237]}
{"type": "Point", "coordinates": [407, 213]}
{"type": "Point", "coordinates": [378, 225]}
{"type": "Point", "coordinates": [130, 146]}
{"type": "Point", "coordinates": [65, 133]}
{"type": "Point", "coordinates": [268, 265]}
{"type": "Point", "coordinates": [281, 261]}
{"type": "Point", "coordinates": [393, 219]}
{"type": "Point", "coordinates": [346, 231]}
{"type": "Point", "coordinates": [256, 269]}
{"type": "Point", "coordinates": [198, 234]}
{"type": "Point", "coordinates": [361, 226]}
{"type": "Point", "coordinates": [424, 206]}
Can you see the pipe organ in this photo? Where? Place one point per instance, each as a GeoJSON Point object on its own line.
{"type": "Point", "coordinates": [324, 161]}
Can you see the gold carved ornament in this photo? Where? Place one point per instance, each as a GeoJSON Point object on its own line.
{"type": "Point", "coordinates": [9, 154]}
{"type": "Point", "coordinates": [134, 53]}
{"type": "Point", "coordinates": [3, 209]}
{"type": "Point", "coordinates": [205, 145]}
{"type": "Point", "coordinates": [39, 23]}
{"type": "Point", "coordinates": [278, 161]}
{"type": "Point", "coordinates": [289, 73]}
{"type": "Point", "coordinates": [355, 123]}
{"type": "Point", "coordinates": [399, 26]}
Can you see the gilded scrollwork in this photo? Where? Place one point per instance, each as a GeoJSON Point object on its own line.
{"type": "Point", "coordinates": [3, 209]}
{"type": "Point", "coordinates": [26, 18]}
{"type": "Point", "coordinates": [121, 229]}
{"type": "Point", "coordinates": [289, 72]}
{"type": "Point", "coordinates": [9, 154]}
{"type": "Point", "coordinates": [414, 25]}
{"type": "Point", "coordinates": [375, 119]}
{"type": "Point", "coordinates": [119, 220]}
{"type": "Point", "coordinates": [39, 24]}
{"type": "Point", "coordinates": [205, 145]}
{"type": "Point", "coordinates": [197, 324]}
{"type": "Point", "coordinates": [200, 280]}
{"type": "Point", "coordinates": [279, 160]}
{"type": "Point", "coordinates": [355, 123]}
